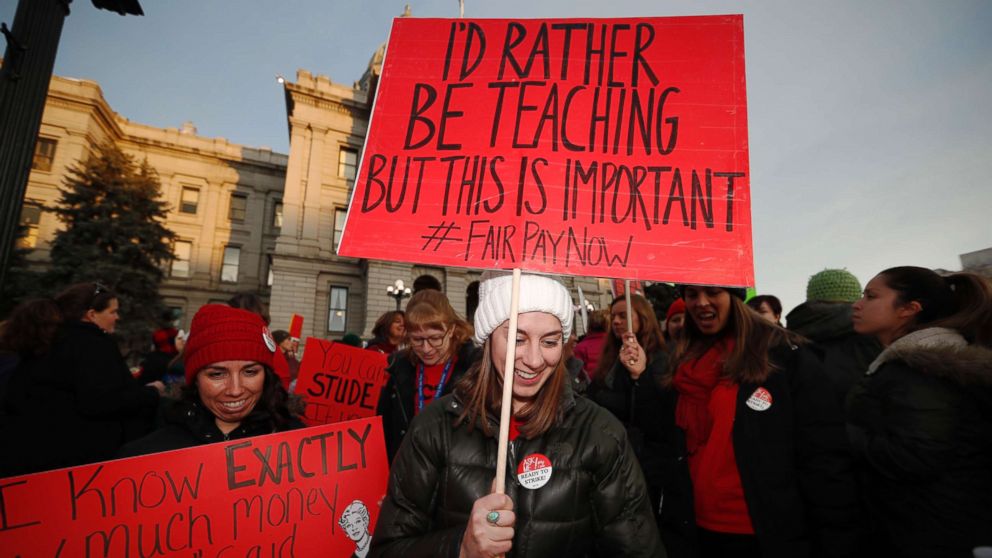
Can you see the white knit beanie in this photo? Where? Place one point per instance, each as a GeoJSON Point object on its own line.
{"type": "Point", "coordinates": [538, 293]}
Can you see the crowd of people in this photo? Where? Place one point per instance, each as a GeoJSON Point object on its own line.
{"type": "Point", "coordinates": [862, 427]}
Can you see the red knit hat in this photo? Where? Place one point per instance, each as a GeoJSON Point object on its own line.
{"type": "Point", "coordinates": [220, 333]}
{"type": "Point", "coordinates": [165, 340]}
{"type": "Point", "coordinates": [677, 307]}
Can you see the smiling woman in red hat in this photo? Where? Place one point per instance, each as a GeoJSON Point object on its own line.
{"type": "Point", "coordinates": [762, 466]}
{"type": "Point", "coordinates": [231, 390]}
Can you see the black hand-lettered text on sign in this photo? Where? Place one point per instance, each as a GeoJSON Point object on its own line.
{"type": "Point", "coordinates": [601, 147]}
{"type": "Point", "coordinates": [283, 494]}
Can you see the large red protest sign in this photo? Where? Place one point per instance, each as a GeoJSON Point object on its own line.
{"type": "Point", "coordinates": [599, 147]}
{"type": "Point", "coordinates": [310, 492]}
{"type": "Point", "coordinates": [339, 382]}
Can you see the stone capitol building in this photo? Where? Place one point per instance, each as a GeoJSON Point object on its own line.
{"type": "Point", "coordinates": [248, 219]}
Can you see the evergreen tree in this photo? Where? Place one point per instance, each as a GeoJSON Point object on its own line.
{"type": "Point", "coordinates": [21, 281]}
{"type": "Point", "coordinates": [114, 234]}
{"type": "Point", "coordinates": [661, 296]}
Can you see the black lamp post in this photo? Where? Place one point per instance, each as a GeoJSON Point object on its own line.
{"type": "Point", "coordinates": [398, 291]}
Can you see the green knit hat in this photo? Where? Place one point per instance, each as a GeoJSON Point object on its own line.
{"type": "Point", "coordinates": [833, 285]}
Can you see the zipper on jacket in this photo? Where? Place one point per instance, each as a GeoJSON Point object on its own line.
{"type": "Point", "coordinates": [511, 462]}
{"type": "Point", "coordinates": [399, 401]}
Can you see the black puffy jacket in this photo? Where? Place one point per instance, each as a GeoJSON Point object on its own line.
{"type": "Point", "coordinates": [794, 462]}
{"type": "Point", "coordinates": [922, 423]}
{"type": "Point", "coordinates": [593, 505]}
{"type": "Point", "coordinates": [398, 398]}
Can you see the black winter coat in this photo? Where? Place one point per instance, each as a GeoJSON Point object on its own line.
{"type": "Point", "coordinates": [794, 462]}
{"type": "Point", "coordinates": [398, 398]}
{"type": "Point", "coordinates": [189, 424]}
{"type": "Point", "coordinates": [845, 353]}
{"type": "Point", "coordinates": [79, 404]}
{"type": "Point", "coordinates": [641, 407]}
{"type": "Point", "coordinates": [593, 505]}
{"type": "Point", "coordinates": [922, 423]}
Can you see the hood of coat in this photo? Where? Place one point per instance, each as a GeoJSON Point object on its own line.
{"type": "Point", "coordinates": [821, 321]}
{"type": "Point", "coordinates": [943, 353]}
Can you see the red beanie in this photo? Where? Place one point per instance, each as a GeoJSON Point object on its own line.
{"type": "Point", "coordinates": [677, 307]}
{"type": "Point", "coordinates": [165, 340]}
{"type": "Point", "coordinates": [220, 333]}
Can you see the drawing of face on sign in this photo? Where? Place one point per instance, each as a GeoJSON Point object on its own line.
{"type": "Point", "coordinates": [355, 522]}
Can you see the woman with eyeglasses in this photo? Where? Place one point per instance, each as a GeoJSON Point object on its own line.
{"type": "Point", "coordinates": [439, 350]}
{"type": "Point", "coordinates": [77, 402]}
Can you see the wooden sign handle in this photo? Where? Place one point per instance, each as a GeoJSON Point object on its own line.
{"type": "Point", "coordinates": [507, 404]}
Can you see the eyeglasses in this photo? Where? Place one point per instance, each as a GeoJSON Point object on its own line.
{"type": "Point", "coordinates": [100, 288]}
{"type": "Point", "coordinates": [435, 341]}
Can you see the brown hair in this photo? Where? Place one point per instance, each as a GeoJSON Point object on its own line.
{"type": "Point", "coordinates": [649, 336]}
{"type": "Point", "coordinates": [430, 309]}
{"type": "Point", "coordinates": [960, 301]}
{"type": "Point", "coordinates": [381, 327]}
{"type": "Point", "coordinates": [481, 392]}
{"type": "Point", "coordinates": [753, 337]}
{"type": "Point", "coordinates": [31, 327]}
{"type": "Point", "coordinates": [77, 299]}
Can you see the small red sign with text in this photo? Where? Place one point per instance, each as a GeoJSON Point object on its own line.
{"type": "Point", "coordinates": [339, 382]}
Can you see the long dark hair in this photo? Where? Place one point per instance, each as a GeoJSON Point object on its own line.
{"type": "Point", "coordinates": [272, 406]}
{"type": "Point", "coordinates": [649, 336]}
{"type": "Point", "coordinates": [753, 337]}
{"type": "Point", "coordinates": [31, 327]}
{"type": "Point", "coordinates": [77, 299]}
{"type": "Point", "coordinates": [481, 392]}
{"type": "Point", "coordinates": [960, 301]}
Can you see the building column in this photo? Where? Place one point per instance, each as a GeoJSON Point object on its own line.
{"type": "Point", "coordinates": [293, 191]}
{"type": "Point", "coordinates": [309, 233]}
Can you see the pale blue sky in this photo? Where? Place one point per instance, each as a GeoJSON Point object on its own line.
{"type": "Point", "coordinates": [870, 122]}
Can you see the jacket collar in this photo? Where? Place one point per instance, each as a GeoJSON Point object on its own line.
{"type": "Point", "coordinates": [927, 338]}
{"type": "Point", "coordinates": [199, 422]}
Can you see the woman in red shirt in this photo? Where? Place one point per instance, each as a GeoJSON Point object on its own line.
{"type": "Point", "coordinates": [440, 350]}
{"type": "Point", "coordinates": [769, 469]}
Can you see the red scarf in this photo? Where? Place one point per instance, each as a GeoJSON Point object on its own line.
{"type": "Point", "coordinates": [695, 380]}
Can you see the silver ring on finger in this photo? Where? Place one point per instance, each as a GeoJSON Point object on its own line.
{"type": "Point", "coordinates": [493, 518]}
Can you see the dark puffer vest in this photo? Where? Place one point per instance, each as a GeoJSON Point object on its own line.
{"type": "Point", "coordinates": [593, 505]}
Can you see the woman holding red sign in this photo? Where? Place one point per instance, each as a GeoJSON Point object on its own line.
{"type": "Point", "coordinates": [627, 382]}
{"type": "Point", "coordinates": [573, 485]}
{"type": "Point", "coordinates": [439, 352]}
{"type": "Point", "coordinates": [761, 466]}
